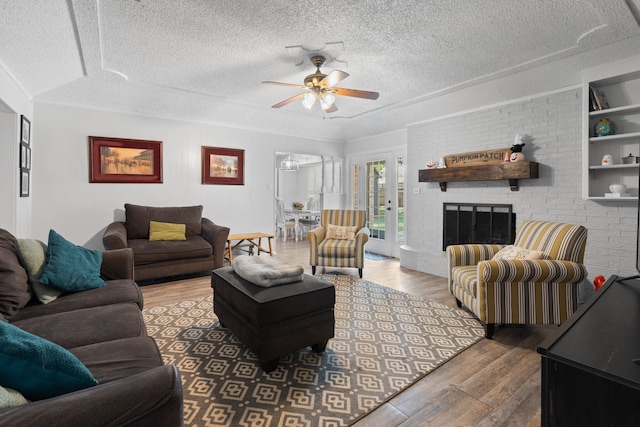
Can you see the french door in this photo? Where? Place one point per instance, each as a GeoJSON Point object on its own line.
{"type": "Point", "coordinates": [380, 191]}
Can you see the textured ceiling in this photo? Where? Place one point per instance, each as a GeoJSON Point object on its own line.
{"type": "Point", "coordinates": [205, 60]}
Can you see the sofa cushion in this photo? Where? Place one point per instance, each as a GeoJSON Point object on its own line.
{"type": "Point", "coordinates": [37, 368]}
{"type": "Point", "coordinates": [166, 231]}
{"type": "Point", "coordinates": [116, 292]}
{"type": "Point", "coordinates": [33, 256]}
{"type": "Point", "coordinates": [341, 232]}
{"type": "Point", "coordinates": [14, 288]}
{"type": "Point", "coordinates": [146, 252]}
{"type": "Point", "coordinates": [88, 325]}
{"type": "Point", "coordinates": [139, 217]}
{"type": "Point", "coordinates": [337, 248]}
{"type": "Point", "coordinates": [71, 268]}
{"type": "Point", "coordinates": [113, 360]}
{"type": "Point", "coordinates": [10, 398]}
{"type": "Point", "coordinates": [515, 252]}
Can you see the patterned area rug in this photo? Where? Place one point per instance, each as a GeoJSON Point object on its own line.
{"type": "Point", "coordinates": [384, 341]}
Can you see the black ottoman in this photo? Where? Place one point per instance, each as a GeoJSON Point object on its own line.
{"type": "Point", "coordinates": [277, 320]}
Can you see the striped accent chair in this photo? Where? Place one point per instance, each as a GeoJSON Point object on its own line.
{"type": "Point", "coordinates": [521, 291]}
{"type": "Point", "coordinates": [346, 251]}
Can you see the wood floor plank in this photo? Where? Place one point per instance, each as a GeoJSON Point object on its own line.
{"type": "Point", "coordinates": [494, 382]}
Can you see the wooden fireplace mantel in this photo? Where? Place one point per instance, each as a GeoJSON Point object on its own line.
{"type": "Point", "coordinates": [512, 171]}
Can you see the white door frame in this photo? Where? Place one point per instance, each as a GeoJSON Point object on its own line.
{"type": "Point", "coordinates": [389, 245]}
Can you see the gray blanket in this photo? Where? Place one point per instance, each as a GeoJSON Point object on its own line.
{"type": "Point", "coordinates": [266, 271]}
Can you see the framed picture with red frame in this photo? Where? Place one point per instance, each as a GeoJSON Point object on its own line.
{"type": "Point", "coordinates": [118, 160]}
{"type": "Point", "coordinates": [222, 166]}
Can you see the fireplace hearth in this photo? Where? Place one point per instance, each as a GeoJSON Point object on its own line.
{"type": "Point", "coordinates": [478, 223]}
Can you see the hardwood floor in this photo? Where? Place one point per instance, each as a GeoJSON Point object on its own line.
{"type": "Point", "coordinates": [493, 383]}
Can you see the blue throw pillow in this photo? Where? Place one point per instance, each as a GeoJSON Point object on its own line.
{"type": "Point", "coordinates": [37, 368]}
{"type": "Point", "coordinates": [71, 268]}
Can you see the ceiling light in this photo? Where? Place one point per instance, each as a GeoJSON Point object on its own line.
{"type": "Point", "coordinates": [326, 100]}
{"type": "Point", "coordinates": [309, 100]}
{"type": "Point", "coordinates": [289, 164]}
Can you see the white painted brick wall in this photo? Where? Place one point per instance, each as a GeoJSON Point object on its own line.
{"type": "Point", "coordinates": [554, 123]}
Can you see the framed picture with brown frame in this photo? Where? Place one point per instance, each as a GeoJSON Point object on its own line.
{"type": "Point", "coordinates": [222, 166]}
{"type": "Point", "coordinates": [118, 160]}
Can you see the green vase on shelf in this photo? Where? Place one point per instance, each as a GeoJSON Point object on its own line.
{"type": "Point", "coordinates": [605, 127]}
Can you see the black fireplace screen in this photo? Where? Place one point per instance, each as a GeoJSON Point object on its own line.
{"type": "Point", "coordinates": [478, 223]}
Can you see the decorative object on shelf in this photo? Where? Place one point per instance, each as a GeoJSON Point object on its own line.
{"type": "Point", "coordinates": [476, 158]}
{"type": "Point", "coordinates": [630, 159]}
{"type": "Point", "coordinates": [297, 205]}
{"type": "Point", "coordinates": [431, 164]}
{"type": "Point", "coordinates": [597, 100]}
{"type": "Point", "coordinates": [441, 163]}
{"type": "Point", "coordinates": [516, 149]}
{"type": "Point", "coordinates": [607, 160]}
{"type": "Point", "coordinates": [618, 188]}
{"type": "Point", "coordinates": [605, 127]}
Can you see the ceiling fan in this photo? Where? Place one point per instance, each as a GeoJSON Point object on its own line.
{"type": "Point", "coordinates": [320, 87]}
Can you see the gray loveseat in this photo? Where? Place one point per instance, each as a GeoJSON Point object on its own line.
{"type": "Point", "coordinates": [202, 251]}
{"type": "Point", "coordinates": [105, 330]}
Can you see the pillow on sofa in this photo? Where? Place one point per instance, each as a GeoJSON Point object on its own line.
{"type": "Point", "coordinates": [341, 232]}
{"type": "Point", "coordinates": [71, 268]}
{"type": "Point", "coordinates": [138, 218]}
{"type": "Point", "coordinates": [9, 398]}
{"type": "Point", "coordinates": [515, 252]}
{"type": "Point", "coordinates": [33, 256]}
{"type": "Point", "coordinates": [14, 289]}
{"type": "Point", "coordinates": [37, 368]}
{"type": "Point", "coordinates": [166, 231]}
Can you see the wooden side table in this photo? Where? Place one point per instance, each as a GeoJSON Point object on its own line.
{"type": "Point", "coordinates": [247, 242]}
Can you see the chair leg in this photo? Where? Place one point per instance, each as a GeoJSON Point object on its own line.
{"type": "Point", "coordinates": [313, 270]}
{"type": "Point", "coordinates": [488, 330]}
{"type": "Point", "coordinates": [458, 303]}
{"type": "Point", "coordinates": [360, 272]}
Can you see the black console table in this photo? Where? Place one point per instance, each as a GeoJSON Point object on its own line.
{"type": "Point", "coordinates": [589, 377]}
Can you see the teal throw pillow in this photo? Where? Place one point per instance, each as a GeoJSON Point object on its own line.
{"type": "Point", "coordinates": [33, 256]}
{"type": "Point", "coordinates": [71, 268]}
{"type": "Point", "coordinates": [37, 368]}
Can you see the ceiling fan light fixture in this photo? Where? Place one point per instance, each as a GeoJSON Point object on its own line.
{"type": "Point", "coordinates": [309, 100]}
{"type": "Point", "coordinates": [327, 100]}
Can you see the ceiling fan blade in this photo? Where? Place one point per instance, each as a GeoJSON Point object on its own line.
{"type": "Point", "coordinates": [284, 84]}
{"type": "Point", "coordinates": [288, 100]}
{"type": "Point", "coordinates": [332, 78]}
{"type": "Point", "coordinates": [355, 93]}
{"type": "Point", "coordinates": [332, 108]}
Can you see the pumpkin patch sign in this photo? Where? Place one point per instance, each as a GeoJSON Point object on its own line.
{"type": "Point", "coordinates": [476, 158]}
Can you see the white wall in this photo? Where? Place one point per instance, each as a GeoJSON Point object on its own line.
{"type": "Point", "coordinates": [554, 122]}
{"type": "Point", "coordinates": [63, 198]}
{"type": "Point", "coordinates": [15, 215]}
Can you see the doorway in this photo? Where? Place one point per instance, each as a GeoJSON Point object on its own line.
{"type": "Point", "coordinates": [380, 189]}
{"type": "Point", "coordinates": [9, 174]}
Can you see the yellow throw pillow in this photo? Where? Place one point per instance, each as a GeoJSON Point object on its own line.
{"type": "Point", "coordinates": [341, 232]}
{"type": "Point", "coordinates": [166, 231]}
{"type": "Point", "coordinates": [515, 252]}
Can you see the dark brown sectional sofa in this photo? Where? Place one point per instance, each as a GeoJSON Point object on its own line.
{"type": "Point", "coordinates": [105, 330]}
